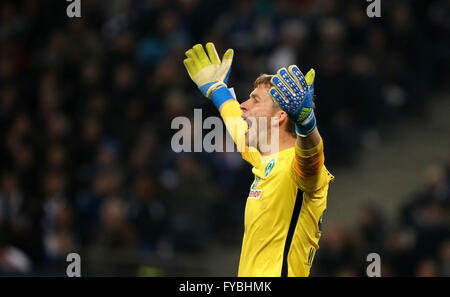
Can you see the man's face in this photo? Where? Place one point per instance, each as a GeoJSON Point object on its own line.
{"type": "Point", "coordinates": [259, 111]}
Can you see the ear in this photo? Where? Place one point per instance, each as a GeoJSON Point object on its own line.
{"type": "Point", "coordinates": [280, 118]}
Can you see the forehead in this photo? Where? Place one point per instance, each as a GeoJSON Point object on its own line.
{"type": "Point", "coordinates": [262, 91]}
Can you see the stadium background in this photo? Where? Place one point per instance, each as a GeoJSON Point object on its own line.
{"type": "Point", "coordinates": [85, 112]}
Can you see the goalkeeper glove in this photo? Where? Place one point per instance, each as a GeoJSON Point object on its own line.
{"type": "Point", "coordinates": [294, 93]}
{"type": "Point", "coordinates": [209, 73]}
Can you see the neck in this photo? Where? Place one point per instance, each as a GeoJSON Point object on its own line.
{"type": "Point", "coordinates": [285, 141]}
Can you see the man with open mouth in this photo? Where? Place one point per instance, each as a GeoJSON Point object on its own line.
{"type": "Point", "coordinates": [275, 130]}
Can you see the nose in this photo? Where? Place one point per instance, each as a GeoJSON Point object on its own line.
{"type": "Point", "coordinates": [243, 106]}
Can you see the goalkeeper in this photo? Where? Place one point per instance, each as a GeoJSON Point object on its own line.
{"type": "Point", "coordinates": [288, 197]}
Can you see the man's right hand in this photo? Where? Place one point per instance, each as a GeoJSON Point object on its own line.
{"type": "Point", "coordinates": [207, 71]}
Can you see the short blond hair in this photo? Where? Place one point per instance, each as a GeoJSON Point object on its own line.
{"type": "Point", "coordinates": [264, 79]}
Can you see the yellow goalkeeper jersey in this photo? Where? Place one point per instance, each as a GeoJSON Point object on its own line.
{"type": "Point", "coordinates": [285, 205]}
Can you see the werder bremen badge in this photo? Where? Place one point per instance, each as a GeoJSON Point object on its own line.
{"type": "Point", "coordinates": [269, 167]}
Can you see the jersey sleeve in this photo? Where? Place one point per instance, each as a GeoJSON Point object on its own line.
{"type": "Point", "coordinates": [236, 126]}
{"type": "Point", "coordinates": [309, 171]}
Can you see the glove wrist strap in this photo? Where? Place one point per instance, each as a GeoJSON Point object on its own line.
{"type": "Point", "coordinates": [304, 128]}
{"type": "Point", "coordinates": [220, 95]}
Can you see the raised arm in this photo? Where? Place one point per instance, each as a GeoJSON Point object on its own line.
{"type": "Point", "coordinates": [294, 93]}
{"type": "Point", "coordinates": [211, 76]}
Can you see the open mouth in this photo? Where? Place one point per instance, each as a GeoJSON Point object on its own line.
{"type": "Point", "coordinates": [250, 123]}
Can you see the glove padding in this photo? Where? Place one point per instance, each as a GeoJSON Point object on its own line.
{"type": "Point", "coordinates": [207, 71]}
{"type": "Point", "coordinates": [294, 93]}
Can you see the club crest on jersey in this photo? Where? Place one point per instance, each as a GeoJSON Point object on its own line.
{"type": "Point", "coordinates": [269, 167]}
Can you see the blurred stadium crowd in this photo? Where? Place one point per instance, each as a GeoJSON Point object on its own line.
{"type": "Point", "coordinates": [86, 106]}
{"type": "Point", "coordinates": [418, 244]}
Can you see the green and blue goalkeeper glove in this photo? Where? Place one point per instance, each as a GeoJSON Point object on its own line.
{"type": "Point", "coordinates": [294, 93]}
{"type": "Point", "coordinates": [209, 73]}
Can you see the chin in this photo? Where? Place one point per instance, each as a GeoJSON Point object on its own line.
{"type": "Point", "coordinates": [247, 140]}
{"type": "Point", "coordinates": [251, 142]}
{"type": "Point", "coordinates": [251, 138]}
